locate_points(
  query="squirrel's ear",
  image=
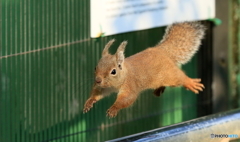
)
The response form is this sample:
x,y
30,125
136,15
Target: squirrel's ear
x,y
120,54
105,50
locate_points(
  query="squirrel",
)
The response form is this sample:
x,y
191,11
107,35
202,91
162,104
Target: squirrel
x,y
154,68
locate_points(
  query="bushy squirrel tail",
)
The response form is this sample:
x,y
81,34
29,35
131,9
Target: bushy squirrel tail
x,y
182,40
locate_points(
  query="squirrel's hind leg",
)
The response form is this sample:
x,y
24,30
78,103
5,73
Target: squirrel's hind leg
x,y
194,85
159,91
176,77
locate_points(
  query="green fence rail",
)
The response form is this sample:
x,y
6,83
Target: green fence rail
x,y
47,63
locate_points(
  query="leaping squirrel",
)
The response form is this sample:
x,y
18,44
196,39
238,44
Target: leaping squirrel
x,y
154,68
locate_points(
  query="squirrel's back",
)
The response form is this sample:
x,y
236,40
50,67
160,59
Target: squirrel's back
x,y
182,40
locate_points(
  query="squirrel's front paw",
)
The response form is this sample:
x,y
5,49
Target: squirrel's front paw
x,y
194,85
112,112
88,105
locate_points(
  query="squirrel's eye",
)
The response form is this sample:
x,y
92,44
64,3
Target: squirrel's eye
x,y
113,72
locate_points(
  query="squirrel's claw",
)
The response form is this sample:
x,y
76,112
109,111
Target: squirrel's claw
x,y
85,110
112,112
88,105
194,85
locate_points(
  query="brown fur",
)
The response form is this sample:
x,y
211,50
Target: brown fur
x,y
153,68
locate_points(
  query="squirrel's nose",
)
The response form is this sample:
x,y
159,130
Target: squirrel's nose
x,y
98,80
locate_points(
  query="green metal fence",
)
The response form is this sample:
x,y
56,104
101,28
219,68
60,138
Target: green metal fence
x,y
47,63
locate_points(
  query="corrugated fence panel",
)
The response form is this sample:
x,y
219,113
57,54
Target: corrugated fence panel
x,y
47,64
